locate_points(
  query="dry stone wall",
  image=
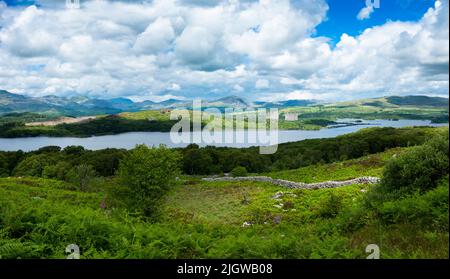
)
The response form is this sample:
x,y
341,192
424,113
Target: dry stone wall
x,y
299,185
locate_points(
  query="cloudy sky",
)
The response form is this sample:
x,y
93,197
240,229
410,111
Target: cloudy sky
x,y
261,50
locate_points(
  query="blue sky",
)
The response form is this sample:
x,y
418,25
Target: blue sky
x,y
261,50
341,15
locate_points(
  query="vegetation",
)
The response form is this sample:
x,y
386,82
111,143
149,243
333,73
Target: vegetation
x,y
52,162
239,172
419,170
147,174
406,214
311,117
212,160
410,107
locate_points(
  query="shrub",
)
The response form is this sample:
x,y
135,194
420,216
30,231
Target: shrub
x,y
429,210
239,172
147,173
81,176
331,206
419,169
58,171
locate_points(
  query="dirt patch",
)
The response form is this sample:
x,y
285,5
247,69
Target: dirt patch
x,y
62,120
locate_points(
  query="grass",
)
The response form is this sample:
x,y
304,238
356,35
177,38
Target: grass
x,y
199,219
371,165
369,111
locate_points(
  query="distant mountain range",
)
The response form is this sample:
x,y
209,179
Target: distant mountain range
x,y
82,106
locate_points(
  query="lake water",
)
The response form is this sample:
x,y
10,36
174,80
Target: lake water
x,y
129,140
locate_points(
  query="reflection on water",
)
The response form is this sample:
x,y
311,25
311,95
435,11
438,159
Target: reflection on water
x,y
129,140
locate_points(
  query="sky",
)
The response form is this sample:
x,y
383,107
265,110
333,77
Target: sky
x,y
266,50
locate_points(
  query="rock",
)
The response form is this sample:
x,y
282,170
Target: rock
x,y
288,205
278,195
246,224
299,185
277,219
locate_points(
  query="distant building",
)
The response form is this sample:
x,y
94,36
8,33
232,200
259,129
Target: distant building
x,y
291,116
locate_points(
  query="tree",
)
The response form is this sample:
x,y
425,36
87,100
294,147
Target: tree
x,y
34,165
58,171
197,161
239,172
74,150
4,170
81,176
148,173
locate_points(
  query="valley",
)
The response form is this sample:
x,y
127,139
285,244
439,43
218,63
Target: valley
x,y
135,117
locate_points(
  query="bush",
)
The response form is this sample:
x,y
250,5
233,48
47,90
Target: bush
x,y
81,176
147,173
331,206
239,172
429,210
419,169
34,165
58,171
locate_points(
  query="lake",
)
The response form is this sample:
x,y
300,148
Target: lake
x,y
129,140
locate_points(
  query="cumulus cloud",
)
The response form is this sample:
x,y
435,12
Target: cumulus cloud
x,y
194,48
262,84
365,12
174,87
157,37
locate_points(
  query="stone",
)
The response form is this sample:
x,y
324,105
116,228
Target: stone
x,y
298,185
278,195
277,219
246,224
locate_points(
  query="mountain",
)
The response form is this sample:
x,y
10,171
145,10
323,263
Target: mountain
x,y
230,101
418,101
399,101
297,103
82,105
285,104
10,102
54,105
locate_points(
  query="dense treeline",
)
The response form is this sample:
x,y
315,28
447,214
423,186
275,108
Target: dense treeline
x,y
54,162
212,160
109,125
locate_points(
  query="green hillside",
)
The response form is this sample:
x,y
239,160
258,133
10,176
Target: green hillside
x,y
201,219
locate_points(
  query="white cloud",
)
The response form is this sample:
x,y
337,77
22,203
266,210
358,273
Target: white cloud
x,y
200,48
365,12
157,37
262,84
174,87
238,88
